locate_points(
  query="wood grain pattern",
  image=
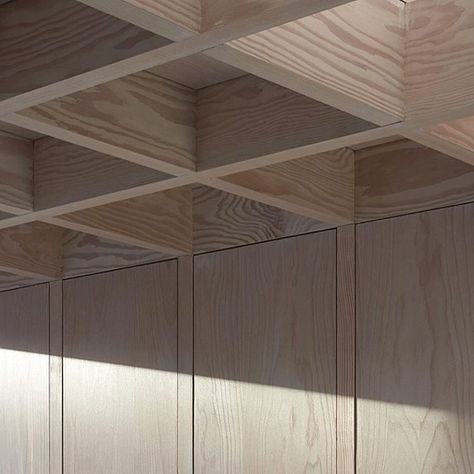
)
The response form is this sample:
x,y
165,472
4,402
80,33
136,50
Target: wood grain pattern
x,y
56,377
415,333
223,220
120,381
86,254
185,365
18,131
24,378
32,251
440,60
351,57
160,222
174,19
346,340
265,357
197,72
16,174
141,118
46,41
66,173
264,119
404,177
9,281
217,14
320,187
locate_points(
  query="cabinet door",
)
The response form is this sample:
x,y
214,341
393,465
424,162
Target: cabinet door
x,y
415,343
120,372
24,381
265,358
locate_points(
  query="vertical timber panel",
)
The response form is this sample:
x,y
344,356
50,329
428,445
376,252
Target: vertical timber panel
x,y
265,358
346,349
120,372
24,381
185,365
56,377
415,339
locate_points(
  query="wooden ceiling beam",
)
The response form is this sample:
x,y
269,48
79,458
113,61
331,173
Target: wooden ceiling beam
x,y
320,187
16,174
350,57
32,251
161,222
142,118
404,177
439,71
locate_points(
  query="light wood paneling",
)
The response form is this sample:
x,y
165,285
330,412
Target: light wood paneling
x,y
24,381
415,333
265,357
16,174
141,118
161,222
350,57
263,119
46,41
66,173
439,69
346,339
320,187
120,380
223,220
403,177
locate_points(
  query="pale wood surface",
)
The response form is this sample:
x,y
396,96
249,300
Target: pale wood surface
x,y
439,67
46,41
415,334
85,254
403,177
350,57
55,377
185,365
223,220
160,222
263,119
32,250
141,118
346,339
120,381
66,173
24,381
197,71
320,187
265,357
16,174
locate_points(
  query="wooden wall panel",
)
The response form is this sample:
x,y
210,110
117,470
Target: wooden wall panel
x,y
415,334
24,381
120,372
265,358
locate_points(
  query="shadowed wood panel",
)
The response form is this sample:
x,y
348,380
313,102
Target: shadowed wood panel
x,y
66,173
8,281
140,118
160,222
403,177
24,381
265,357
250,117
32,250
223,220
439,68
45,41
415,333
120,381
350,57
86,254
320,187
16,174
